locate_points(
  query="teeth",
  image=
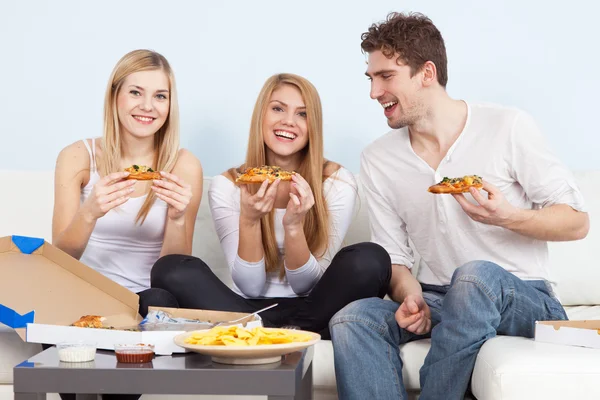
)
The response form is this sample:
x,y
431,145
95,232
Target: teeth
x,y
145,119
391,103
285,134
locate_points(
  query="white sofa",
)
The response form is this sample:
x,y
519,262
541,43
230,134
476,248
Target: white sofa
x,y
506,368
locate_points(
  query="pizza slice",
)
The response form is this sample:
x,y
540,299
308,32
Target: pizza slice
x,y
89,321
266,172
457,185
142,173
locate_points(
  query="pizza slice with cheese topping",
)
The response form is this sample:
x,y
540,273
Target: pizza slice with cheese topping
x,y
266,172
142,173
457,185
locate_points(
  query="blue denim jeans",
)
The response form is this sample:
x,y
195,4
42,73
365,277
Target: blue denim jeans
x,y
483,300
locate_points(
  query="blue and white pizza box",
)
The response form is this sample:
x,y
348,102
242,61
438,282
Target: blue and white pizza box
x,y
43,291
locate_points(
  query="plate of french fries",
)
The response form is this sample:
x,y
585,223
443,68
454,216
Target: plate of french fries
x,y
238,345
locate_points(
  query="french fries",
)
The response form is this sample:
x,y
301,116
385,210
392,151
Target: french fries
x,y
236,336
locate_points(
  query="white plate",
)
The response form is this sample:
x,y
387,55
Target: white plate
x,y
261,354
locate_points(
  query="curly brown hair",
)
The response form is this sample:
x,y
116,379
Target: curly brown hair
x,y
413,37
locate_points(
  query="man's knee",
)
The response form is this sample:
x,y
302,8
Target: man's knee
x,y
374,311
480,270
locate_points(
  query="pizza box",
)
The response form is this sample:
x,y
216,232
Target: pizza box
x,y
43,290
121,333
584,333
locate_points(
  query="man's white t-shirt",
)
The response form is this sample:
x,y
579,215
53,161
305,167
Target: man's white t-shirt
x,y
505,147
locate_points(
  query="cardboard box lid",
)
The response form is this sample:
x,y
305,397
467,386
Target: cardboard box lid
x,y
36,276
582,324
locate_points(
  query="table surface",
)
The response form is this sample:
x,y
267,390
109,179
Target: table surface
x,y
189,373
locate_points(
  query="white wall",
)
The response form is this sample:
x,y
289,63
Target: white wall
x,y
56,56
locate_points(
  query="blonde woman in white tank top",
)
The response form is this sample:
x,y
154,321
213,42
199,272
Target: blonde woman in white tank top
x,y
117,226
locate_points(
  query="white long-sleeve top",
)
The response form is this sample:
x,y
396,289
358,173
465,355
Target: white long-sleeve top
x,y
505,147
250,279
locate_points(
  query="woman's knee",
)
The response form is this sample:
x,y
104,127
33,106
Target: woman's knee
x,y
366,260
156,297
164,265
173,269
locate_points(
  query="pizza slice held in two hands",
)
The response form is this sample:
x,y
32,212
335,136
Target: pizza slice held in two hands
x,y
264,173
457,185
142,173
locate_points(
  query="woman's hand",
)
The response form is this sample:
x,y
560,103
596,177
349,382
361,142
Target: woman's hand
x,y
175,192
110,192
301,200
254,206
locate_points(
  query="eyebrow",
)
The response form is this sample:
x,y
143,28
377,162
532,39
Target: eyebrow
x,y
381,72
282,103
141,88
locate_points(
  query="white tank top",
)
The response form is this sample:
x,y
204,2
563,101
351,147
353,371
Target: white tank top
x,y
120,248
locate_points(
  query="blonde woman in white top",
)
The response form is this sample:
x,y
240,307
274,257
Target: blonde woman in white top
x,y
117,226
282,241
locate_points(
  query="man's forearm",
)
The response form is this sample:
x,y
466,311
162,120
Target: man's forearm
x,y
559,222
403,283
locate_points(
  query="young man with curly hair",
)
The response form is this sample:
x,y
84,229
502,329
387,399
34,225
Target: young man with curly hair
x,y
484,267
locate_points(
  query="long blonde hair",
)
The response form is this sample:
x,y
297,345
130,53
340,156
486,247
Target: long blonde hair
x,y
316,221
166,140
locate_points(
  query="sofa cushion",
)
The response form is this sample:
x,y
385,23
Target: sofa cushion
x,y
513,368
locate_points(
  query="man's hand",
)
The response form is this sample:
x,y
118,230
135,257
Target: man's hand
x,y
495,210
413,315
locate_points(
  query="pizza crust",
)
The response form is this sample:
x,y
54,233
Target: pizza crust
x,y
442,189
144,176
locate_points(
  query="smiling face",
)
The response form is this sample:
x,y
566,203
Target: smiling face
x,y
143,103
399,93
284,124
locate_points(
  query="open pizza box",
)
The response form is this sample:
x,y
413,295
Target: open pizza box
x,y
585,333
43,290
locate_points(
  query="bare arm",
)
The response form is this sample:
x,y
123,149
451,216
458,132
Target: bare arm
x,y
187,181
71,229
558,222
403,284
73,224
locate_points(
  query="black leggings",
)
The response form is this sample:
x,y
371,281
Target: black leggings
x,y
358,271
148,297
